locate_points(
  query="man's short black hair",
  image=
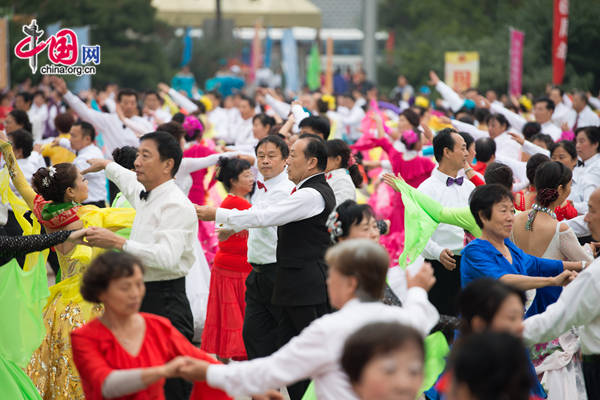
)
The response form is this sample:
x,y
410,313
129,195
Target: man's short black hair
x,y
318,124
315,148
549,103
441,141
484,197
485,149
250,100
27,97
87,129
167,148
22,140
127,92
277,141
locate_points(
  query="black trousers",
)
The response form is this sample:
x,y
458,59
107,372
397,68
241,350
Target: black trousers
x,y
168,299
293,320
261,317
447,285
591,376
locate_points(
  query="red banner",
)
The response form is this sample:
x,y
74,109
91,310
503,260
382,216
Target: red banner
x,y
516,62
559,40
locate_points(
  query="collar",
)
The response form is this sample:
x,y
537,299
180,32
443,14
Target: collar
x,y
164,187
442,177
305,179
592,160
274,181
336,172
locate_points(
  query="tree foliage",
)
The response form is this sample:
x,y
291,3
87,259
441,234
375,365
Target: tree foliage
x,y
426,29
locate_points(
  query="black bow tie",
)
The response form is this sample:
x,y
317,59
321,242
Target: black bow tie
x,y
580,163
144,195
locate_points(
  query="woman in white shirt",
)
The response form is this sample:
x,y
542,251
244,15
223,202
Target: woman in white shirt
x,y
586,175
342,172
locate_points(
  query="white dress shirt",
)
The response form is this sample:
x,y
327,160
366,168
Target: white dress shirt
x,y
165,227
302,204
96,180
351,121
37,117
586,179
584,118
219,120
342,185
517,122
563,113
114,133
262,242
316,352
505,145
576,306
445,236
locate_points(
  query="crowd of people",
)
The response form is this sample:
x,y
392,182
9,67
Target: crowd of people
x,y
334,244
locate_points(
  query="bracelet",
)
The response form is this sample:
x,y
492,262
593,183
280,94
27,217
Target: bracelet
x,y
468,170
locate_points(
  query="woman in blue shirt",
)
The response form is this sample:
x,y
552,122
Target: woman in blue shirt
x,y
495,256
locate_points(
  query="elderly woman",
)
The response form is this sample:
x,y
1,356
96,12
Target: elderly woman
x,y
357,272
126,354
495,256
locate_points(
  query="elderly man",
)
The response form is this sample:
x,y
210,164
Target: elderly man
x,y
577,306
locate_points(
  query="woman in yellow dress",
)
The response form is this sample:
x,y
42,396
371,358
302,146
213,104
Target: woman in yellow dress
x,y
54,200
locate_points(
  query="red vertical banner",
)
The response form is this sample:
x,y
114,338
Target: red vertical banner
x,y
517,39
559,40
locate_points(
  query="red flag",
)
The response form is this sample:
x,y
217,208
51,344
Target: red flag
x,y
516,61
559,40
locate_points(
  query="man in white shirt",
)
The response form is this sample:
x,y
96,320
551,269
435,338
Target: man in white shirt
x,y
153,111
583,115
351,115
241,127
576,307
23,102
302,239
163,233
563,113
446,243
543,108
82,144
114,132
262,316
586,175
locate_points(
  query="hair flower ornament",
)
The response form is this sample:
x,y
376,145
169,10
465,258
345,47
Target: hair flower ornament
x,y
334,226
410,137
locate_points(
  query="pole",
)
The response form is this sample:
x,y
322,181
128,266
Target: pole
x,y
369,45
218,19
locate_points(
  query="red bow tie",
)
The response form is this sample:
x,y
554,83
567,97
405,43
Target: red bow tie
x,y
261,185
293,190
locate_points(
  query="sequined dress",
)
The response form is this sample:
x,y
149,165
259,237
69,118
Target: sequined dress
x,y
51,367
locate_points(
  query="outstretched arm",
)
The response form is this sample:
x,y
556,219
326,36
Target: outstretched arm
x,y
16,175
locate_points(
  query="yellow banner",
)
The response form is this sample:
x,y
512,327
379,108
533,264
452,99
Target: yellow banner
x,y
462,70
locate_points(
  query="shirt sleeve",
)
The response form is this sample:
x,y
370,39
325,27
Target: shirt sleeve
x,y
192,164
304,203
126,181
66,143
570,247
579,226
532,148
183,101
96,118
516,121
576,306
138,126
453,99
470,129
477,263
537,266
280,107
591,181
168,239
595,102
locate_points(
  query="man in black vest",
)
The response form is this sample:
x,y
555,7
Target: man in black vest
x,y
302,239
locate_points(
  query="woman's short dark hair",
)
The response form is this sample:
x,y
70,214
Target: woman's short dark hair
x,y
337,147
168,148
178,117
351,213
265,120
21,118
315,148
567,146
530,129
412,118
375,340
63,122
546,139
497,172
467,138
592,133
533,164
277,141
483,198
22,140
105,268
548,177
53,188
483,298
365,260
441,141
493,366
125,156
485,149
499,118
172,127
230,169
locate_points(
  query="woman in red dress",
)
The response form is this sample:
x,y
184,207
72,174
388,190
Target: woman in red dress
x,y
222,333
125,354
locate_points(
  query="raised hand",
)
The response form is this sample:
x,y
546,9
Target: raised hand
x,y
59,84
433,78
391,179
423,279
516,137
76,237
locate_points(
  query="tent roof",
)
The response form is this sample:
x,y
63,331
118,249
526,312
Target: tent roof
x,y
245,13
